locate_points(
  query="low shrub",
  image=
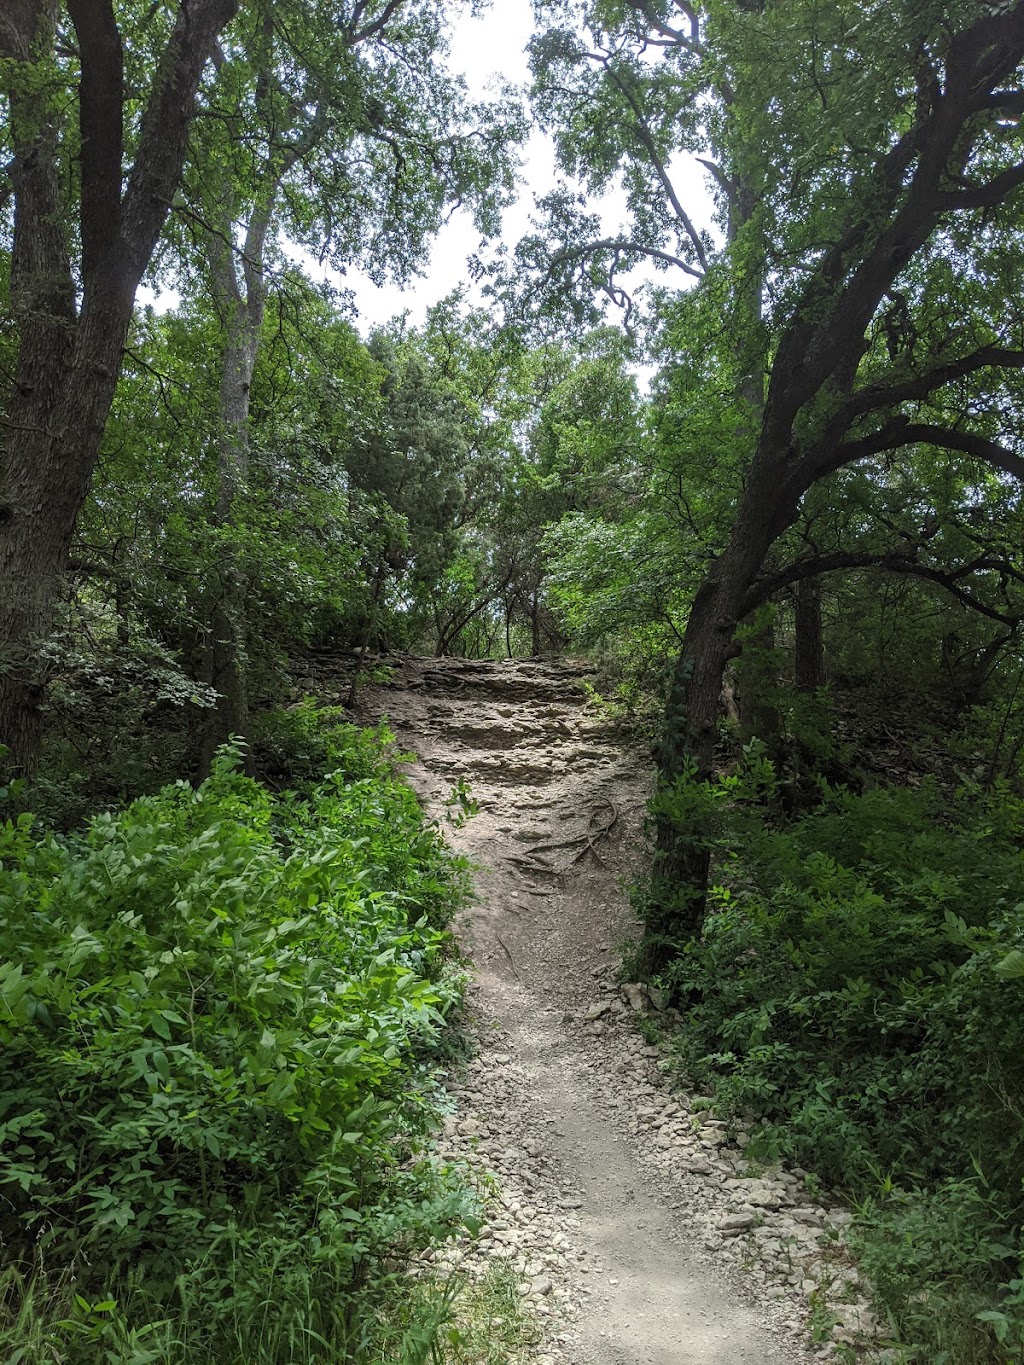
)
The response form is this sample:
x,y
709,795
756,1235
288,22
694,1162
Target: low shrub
x,y
855,989
217,1009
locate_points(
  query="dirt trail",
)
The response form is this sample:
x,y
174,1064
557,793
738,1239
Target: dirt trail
x,y
626,1213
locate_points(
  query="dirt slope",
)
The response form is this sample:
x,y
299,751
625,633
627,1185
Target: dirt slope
x,y
631,1217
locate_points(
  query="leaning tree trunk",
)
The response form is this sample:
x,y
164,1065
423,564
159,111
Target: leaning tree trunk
x,y
812,416
676,906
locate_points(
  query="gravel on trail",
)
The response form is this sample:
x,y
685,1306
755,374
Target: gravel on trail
x,y
639,1231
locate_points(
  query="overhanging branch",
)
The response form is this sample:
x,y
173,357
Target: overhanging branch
x,y
891,562
876,396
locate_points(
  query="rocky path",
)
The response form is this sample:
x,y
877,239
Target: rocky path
x,y
640,1233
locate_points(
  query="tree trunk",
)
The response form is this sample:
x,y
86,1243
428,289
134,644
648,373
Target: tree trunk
x,y
225,661
55,420
808,423
241,306
676,906
675,909
809,648
68,363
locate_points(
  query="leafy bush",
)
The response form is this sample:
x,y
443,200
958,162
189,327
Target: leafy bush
x,y
854,988
216,1010
295,745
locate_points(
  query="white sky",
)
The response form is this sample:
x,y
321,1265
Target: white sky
x,y
492,46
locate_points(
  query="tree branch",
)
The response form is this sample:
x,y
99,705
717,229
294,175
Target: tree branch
x,y
988,195
894,435
965,443
890,561
617,244
162,140
660,169
371,29
675,37
844,292
876,396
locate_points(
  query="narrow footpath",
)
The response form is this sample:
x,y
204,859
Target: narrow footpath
x,y
641,1234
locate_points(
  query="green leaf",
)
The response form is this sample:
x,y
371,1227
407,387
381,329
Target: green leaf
x,y
1011,967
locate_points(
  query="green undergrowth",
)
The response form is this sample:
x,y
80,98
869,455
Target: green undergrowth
x,y
220,1014
858,990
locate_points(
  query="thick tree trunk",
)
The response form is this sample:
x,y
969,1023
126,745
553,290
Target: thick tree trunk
x,y
55,425
68,364
676,906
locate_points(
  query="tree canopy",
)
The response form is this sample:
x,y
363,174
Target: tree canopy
x,y
755,450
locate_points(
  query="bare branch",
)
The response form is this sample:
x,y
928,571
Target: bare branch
x,y
623,244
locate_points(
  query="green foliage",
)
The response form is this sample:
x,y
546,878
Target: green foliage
x,y
296,745
218,1008
856,989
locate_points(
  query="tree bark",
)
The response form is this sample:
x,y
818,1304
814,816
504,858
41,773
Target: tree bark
x,y
676,907
808,645
241,307
69,359
226,651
